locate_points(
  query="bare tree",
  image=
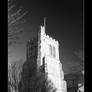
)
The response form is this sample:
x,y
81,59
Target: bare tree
x,y
14,76
43,84
15,17
35,81
80,56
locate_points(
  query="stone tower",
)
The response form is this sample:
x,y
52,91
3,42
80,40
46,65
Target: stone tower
x,y
47,48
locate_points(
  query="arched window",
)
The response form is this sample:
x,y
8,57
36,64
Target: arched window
x,y
50,50
54,54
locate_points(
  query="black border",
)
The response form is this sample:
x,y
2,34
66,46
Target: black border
x,y
3,46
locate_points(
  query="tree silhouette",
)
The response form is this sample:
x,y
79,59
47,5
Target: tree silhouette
x,y
14,76
15,17
80,55
33,80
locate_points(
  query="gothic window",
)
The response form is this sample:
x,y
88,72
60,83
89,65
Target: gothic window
x,y
54,52
50,50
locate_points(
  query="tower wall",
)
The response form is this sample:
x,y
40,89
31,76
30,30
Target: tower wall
x,y
49,48
46,47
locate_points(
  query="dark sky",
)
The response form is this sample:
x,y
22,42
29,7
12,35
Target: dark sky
x,y
64,22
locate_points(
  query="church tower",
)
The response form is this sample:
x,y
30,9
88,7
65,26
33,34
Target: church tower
x,y
45,48
48,49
